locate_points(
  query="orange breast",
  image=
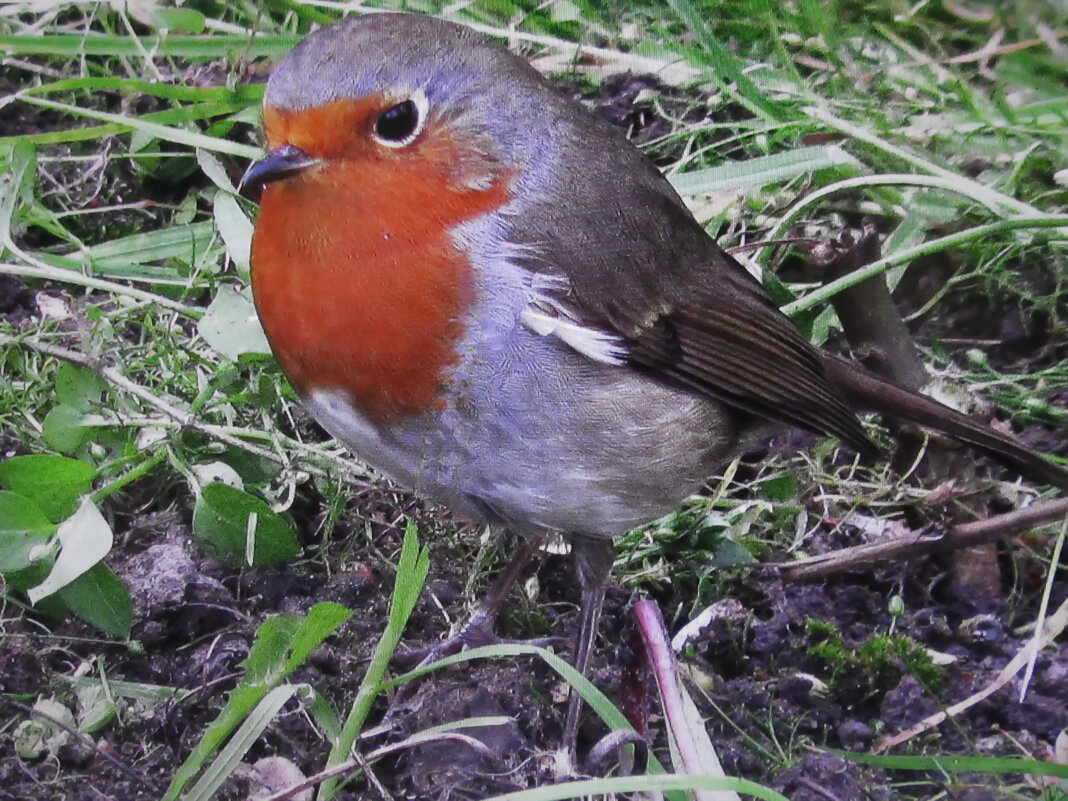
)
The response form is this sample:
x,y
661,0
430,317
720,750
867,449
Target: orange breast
x,y
357,282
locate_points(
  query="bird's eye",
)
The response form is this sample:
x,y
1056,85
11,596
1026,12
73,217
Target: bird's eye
x,y
399,125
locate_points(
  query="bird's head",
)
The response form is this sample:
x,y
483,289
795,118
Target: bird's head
x,y
396,96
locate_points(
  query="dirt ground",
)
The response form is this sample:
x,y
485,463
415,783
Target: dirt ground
x,y
770,698
780,671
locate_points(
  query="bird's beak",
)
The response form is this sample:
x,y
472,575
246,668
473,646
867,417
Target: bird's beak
x,y
282,162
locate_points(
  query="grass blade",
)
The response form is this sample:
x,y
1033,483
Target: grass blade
x,y
411,573
223,765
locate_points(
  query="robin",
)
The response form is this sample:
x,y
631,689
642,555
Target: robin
x,y
495,300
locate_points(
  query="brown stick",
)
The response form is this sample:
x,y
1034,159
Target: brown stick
x,y
869,318
923,543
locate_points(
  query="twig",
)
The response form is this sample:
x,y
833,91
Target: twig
x,y
869,318
116,378
804,781
671,71
29,66
337,770
372,777
857,132
992,48
748,247
909,254
359,762
46,272
882,341
1055,624
923,543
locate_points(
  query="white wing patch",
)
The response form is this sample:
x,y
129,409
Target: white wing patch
x,y
546,316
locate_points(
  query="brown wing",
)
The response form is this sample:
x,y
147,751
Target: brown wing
x,y
735,345
637,263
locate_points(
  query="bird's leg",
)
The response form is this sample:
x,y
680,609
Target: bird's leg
x,y
477,626
593,564
483,617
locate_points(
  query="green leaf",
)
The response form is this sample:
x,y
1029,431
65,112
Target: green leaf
x,y
33,575
565,11
24,533
598,701
282,643
238,529
55,483
324,716
147,128
725,69
231,326
95,707
183,242
99,597
208,48
780,488
619,785
215,171
266,661
957,764
146,256
256,722
78,387
39,735
235,229
322,620
183,20
66,428
244,93
752,174
729,553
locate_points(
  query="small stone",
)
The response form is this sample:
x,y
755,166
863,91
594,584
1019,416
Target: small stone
x,y
855,735
274,774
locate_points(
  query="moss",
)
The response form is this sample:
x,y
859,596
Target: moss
x,y
877,663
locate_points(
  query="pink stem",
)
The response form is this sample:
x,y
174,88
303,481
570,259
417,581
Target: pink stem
x,y
662,658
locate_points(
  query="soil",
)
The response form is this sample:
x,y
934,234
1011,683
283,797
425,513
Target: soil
x,y
780,674
766,686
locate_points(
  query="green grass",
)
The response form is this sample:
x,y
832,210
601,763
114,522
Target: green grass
x,y
123,137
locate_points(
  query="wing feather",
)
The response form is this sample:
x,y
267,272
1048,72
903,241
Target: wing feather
x,y
631,261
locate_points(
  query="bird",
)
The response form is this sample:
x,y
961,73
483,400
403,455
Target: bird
x,y
497,301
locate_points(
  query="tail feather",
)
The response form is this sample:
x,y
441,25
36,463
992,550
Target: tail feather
x,y
865,391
